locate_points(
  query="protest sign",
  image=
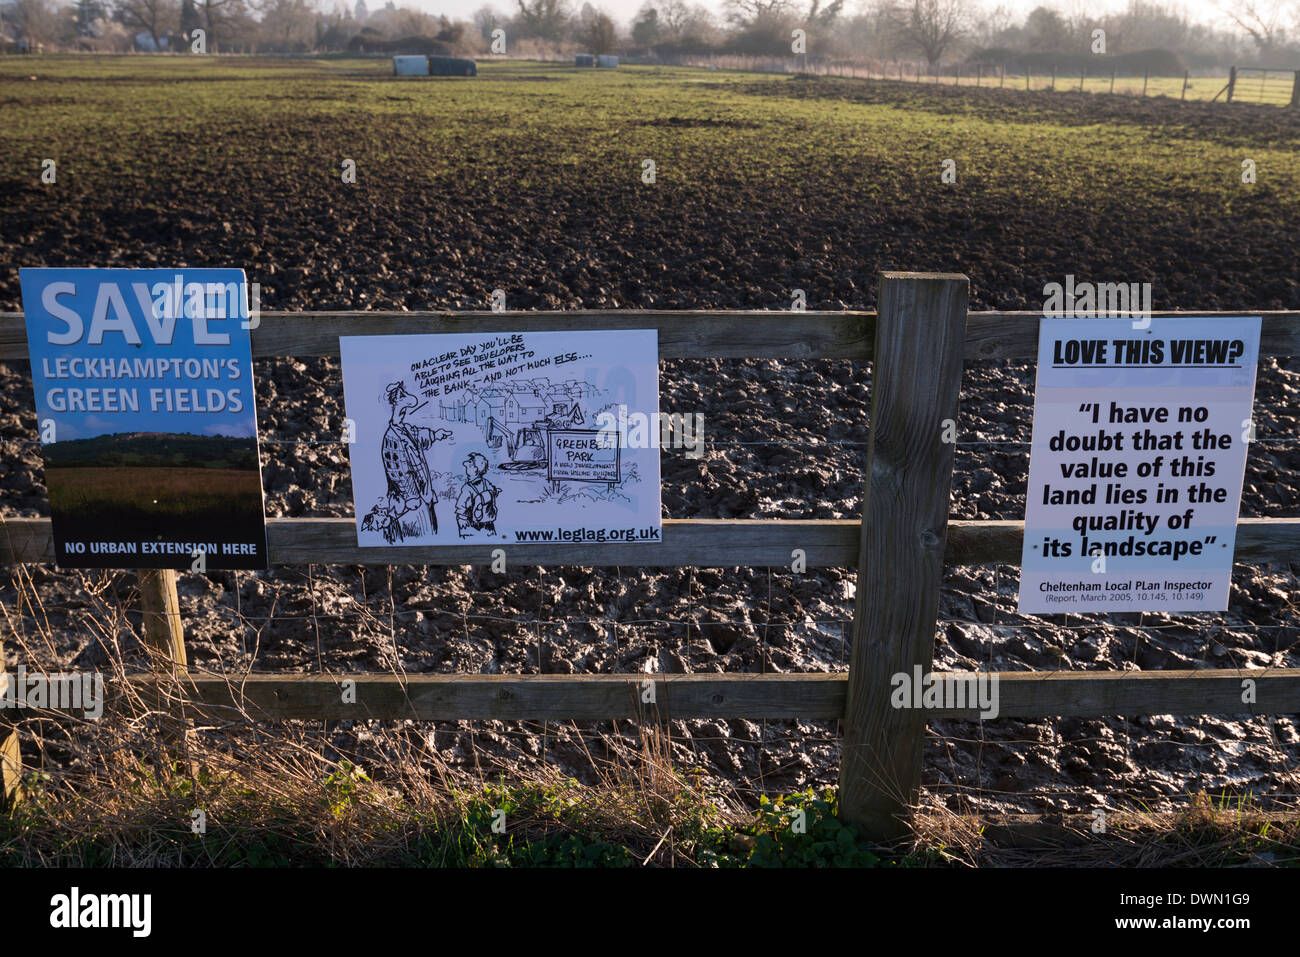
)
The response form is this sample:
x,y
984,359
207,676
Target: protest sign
x,y
1136,466
145,408
503,437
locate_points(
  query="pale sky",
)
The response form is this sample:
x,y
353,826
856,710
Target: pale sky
x,y
1202,11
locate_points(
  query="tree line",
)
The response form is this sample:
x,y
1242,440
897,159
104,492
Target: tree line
x,y
929,31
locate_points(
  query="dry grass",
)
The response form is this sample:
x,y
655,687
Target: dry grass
x,y
122,791
1206,832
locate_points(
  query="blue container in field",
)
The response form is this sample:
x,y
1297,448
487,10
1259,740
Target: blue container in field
x,y
410,66
607,62
452,66
584,59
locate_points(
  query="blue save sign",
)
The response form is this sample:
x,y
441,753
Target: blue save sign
x,y
145,406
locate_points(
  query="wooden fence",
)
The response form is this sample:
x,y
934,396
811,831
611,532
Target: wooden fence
x,y
918,341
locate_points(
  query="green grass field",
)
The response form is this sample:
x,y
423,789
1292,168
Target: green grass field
x,y
168,493
530,175
158,503
147,120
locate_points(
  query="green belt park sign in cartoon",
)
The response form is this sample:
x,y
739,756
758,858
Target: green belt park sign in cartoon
x,y
145,408
538,437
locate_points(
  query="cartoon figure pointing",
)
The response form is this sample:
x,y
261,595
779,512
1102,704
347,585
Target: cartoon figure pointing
x,y
409,509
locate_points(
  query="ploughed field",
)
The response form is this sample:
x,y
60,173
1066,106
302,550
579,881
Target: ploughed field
x,y
529,179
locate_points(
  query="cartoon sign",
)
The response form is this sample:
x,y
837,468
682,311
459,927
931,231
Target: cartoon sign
x,y
582,455
502,437
144,402
1137,461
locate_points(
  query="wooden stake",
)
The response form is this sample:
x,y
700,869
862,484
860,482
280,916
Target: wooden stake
x,y
915,385
164,639
11,759
164,635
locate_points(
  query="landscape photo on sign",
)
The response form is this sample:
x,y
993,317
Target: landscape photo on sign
x,y
146,417
1136,463
506,437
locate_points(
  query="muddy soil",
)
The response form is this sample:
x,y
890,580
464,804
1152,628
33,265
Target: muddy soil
x,y
786,440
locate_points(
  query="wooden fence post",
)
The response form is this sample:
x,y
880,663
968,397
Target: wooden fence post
x,y
915,386
1187,75
11,761
1295,89
164,640
164,635
1232,81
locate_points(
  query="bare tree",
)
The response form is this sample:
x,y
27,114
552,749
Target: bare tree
x,y
288,25
751,11
993,23
646,28
158,18
219,17
673,15
1048,31
37,21
823,17
596,30
699,27
1261,20
545,19
932,26
486,19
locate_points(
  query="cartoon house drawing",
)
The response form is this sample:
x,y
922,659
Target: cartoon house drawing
x,y
525,407
492,402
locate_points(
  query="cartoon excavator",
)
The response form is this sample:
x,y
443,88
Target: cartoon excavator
x,y
532,436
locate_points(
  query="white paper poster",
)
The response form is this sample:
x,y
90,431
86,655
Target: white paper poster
x,y
504,438
1137,461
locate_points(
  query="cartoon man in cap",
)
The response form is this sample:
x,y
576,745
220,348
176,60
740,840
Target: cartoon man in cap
x,y
410,480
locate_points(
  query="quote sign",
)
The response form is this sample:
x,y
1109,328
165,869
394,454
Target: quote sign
x,y
503,438
146,416
1136,464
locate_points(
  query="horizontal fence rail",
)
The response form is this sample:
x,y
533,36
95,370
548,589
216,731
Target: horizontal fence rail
x,y
808,697
687,543
918,342
689,334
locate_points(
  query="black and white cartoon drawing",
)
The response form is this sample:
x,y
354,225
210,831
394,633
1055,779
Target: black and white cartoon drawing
x,y
531,436
476,506
504,427
408,508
